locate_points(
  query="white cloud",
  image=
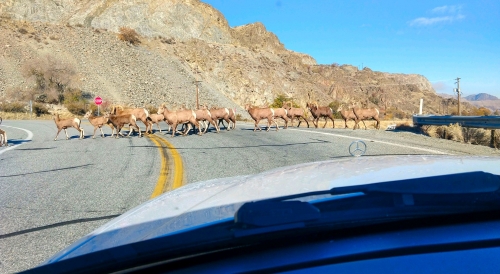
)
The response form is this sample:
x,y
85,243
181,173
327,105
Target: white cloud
x,y
450,14
447,9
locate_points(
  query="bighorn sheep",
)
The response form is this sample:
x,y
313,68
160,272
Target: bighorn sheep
x,y
173,118
258,114
295,113
119,121
98,122
231,117
139,113
365,114
66,123
281,113
318,112
204,115
156,119
348,115
220,114
3,136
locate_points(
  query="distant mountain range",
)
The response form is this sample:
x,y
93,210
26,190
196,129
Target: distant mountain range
x,y
478,100
480,97
484,100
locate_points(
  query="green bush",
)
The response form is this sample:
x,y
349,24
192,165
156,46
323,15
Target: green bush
x,y
334,105
278,101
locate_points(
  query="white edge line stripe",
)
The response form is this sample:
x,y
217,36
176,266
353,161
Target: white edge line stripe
x,y
30,137
371,140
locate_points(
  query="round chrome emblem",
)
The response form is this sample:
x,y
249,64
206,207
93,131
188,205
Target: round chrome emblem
x,y
357,148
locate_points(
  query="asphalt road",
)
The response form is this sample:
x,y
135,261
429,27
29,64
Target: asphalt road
x,y
54,192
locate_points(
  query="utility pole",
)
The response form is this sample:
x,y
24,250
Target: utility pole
x,y
197,83
458,92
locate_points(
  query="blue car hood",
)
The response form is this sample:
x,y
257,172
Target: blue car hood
x,y
201,203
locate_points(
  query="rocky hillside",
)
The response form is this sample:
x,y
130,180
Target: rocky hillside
x,y
182,41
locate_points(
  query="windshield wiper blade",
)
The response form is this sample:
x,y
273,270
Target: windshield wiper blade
x,y
460,183
282,214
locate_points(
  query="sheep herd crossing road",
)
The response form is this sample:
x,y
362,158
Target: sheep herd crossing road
x,y
54,192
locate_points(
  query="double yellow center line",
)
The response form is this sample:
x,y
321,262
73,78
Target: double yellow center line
x,y
171,172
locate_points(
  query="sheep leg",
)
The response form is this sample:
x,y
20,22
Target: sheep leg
x,y
228,123
93,136
257,125
355,124
217,128
58,130
277,127
138,130
174,129
67,137
102,133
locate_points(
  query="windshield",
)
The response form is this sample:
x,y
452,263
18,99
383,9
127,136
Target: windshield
x,y
126,122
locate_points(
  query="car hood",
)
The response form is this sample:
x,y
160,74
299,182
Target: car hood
x,y
198,204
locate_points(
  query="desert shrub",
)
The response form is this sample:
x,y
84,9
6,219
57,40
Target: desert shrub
x,y
394,113
129,35
280,99
334,105
73,96
77,108
476,136
40,109
22,30
239,117
496,139
51,78
14,107
451,132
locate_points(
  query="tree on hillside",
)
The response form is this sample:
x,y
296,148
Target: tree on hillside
x,y
51,78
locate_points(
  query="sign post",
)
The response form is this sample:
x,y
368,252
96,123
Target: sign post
x,y
98,102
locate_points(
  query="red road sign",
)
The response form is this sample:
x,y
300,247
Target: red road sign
x,y
98,100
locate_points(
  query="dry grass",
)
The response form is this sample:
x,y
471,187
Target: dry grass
x,y
475,136
23,116
129,35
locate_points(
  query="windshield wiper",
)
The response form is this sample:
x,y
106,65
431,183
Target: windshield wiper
x,y
387,201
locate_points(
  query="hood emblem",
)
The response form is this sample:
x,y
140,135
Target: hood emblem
x,y
357,148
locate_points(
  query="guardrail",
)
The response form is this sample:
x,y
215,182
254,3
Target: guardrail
x,y
489,122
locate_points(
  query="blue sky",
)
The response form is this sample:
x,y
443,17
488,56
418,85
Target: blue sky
x,y
441,40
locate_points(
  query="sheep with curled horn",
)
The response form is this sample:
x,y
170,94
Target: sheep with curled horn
x,y
318,112
295,113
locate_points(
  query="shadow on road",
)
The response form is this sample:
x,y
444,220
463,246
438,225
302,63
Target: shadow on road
x,y
44,171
